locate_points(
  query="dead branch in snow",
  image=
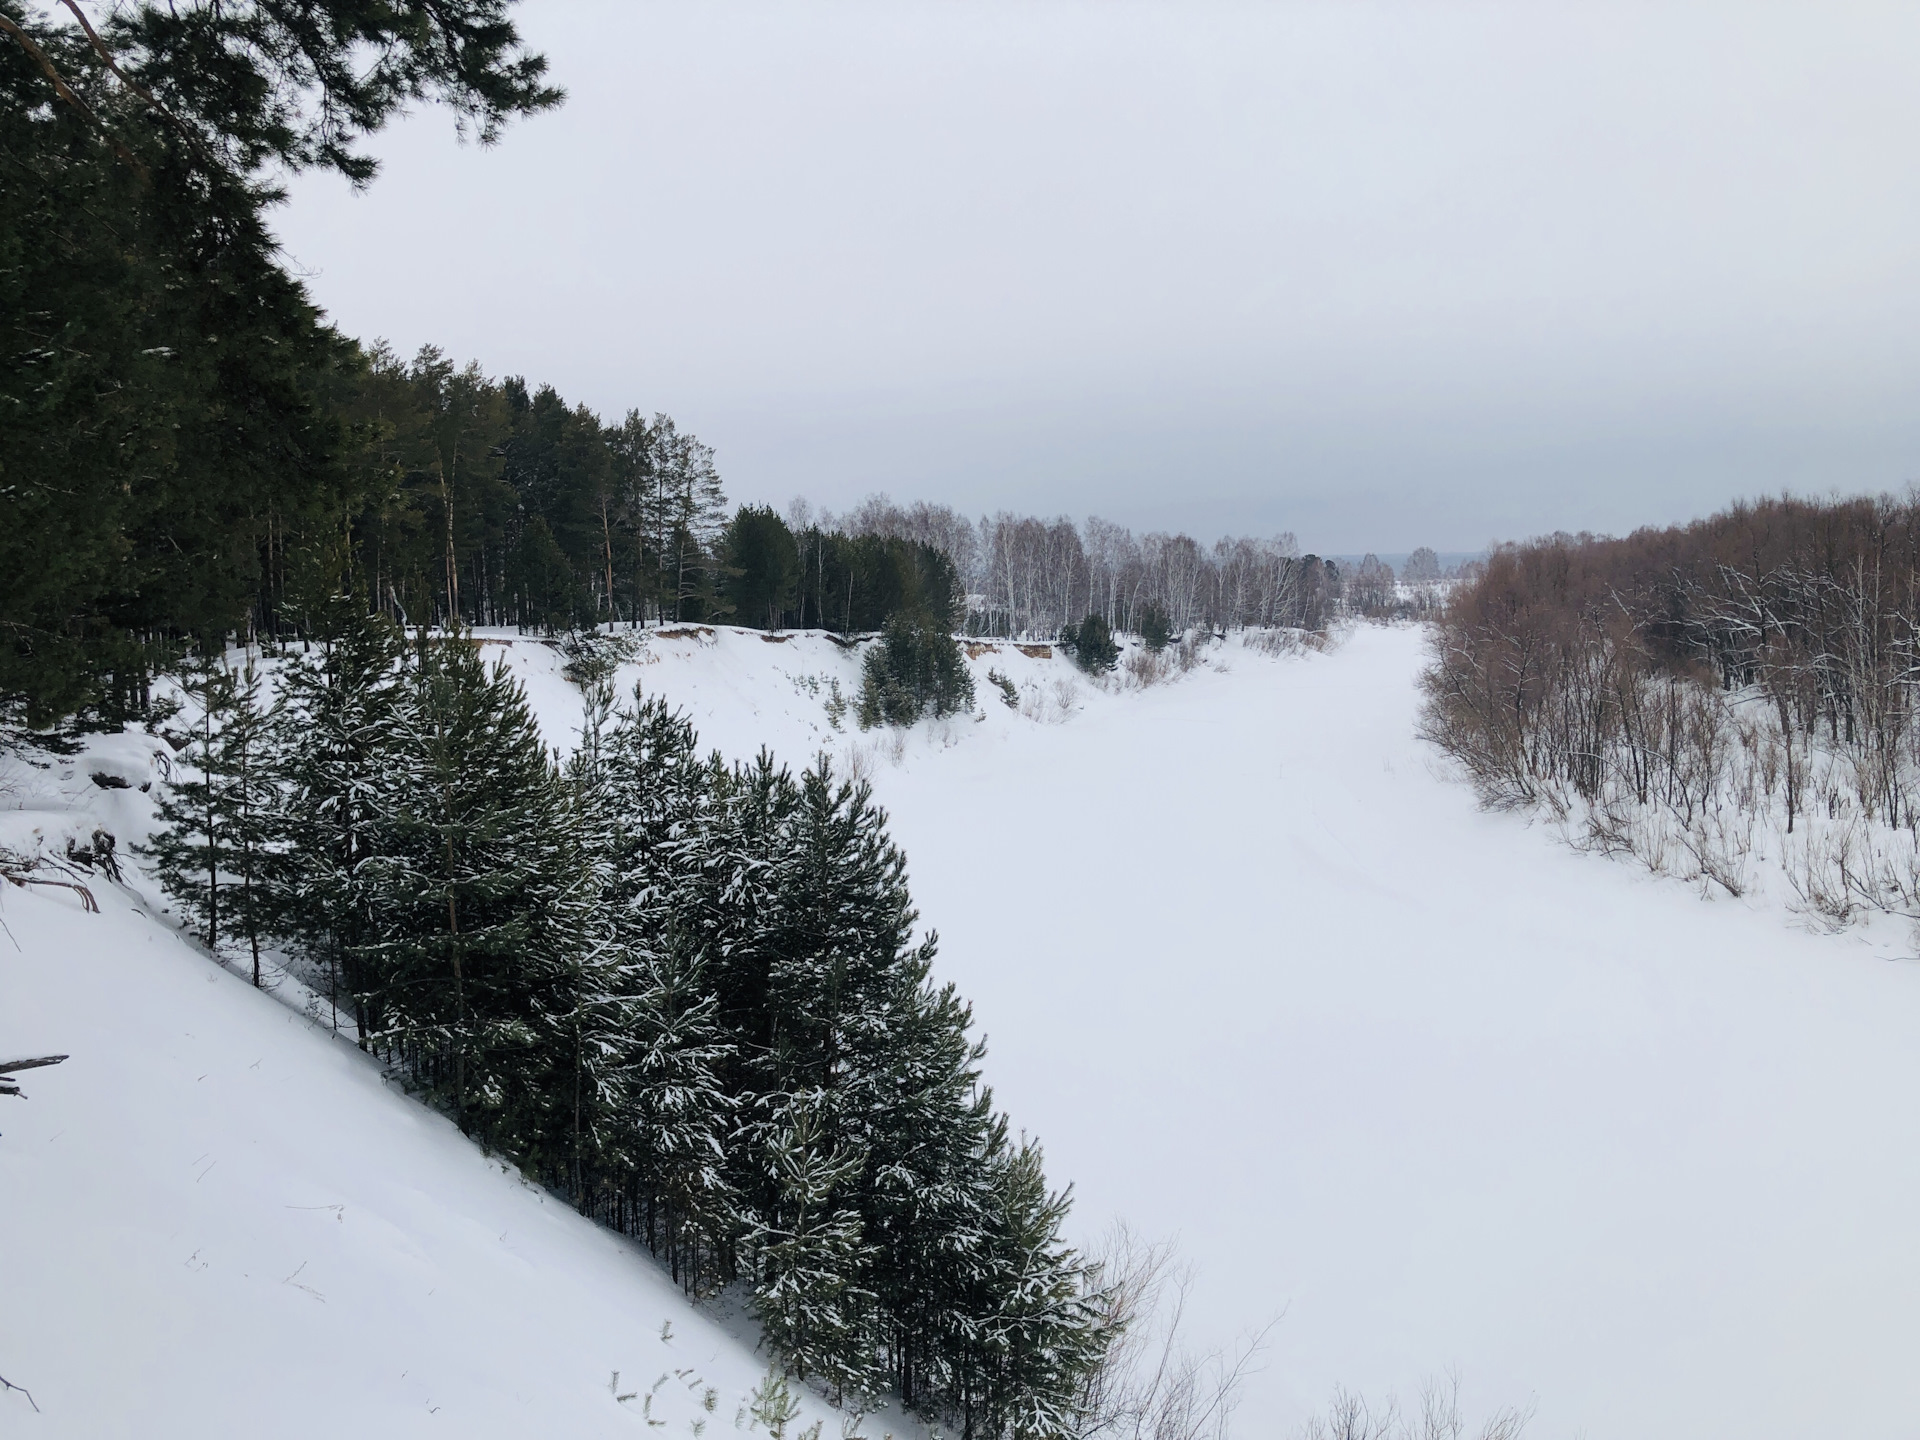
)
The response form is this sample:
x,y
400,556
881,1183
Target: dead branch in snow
x,y
24,870
6,1384
13,1067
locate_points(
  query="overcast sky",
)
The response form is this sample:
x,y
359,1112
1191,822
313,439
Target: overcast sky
x,y
1381,274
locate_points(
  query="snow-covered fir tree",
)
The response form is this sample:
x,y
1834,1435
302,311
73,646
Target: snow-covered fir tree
x,y
479,893
810,1258
215,843
335,721
688,995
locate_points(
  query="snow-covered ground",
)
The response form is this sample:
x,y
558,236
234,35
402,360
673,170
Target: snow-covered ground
x,y
1445,1093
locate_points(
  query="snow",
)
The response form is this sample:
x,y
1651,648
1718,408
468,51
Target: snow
x,y
1439,1090
1417,1078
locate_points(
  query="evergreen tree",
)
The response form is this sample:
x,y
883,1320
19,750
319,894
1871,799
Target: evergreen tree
x,y
762,566
691,512
1040,1328
916,669
339,705
214,852
657,1052
1092,644
927,1201
1154,629
162,375
478,895
250,756
682,1114
197,808
810,1258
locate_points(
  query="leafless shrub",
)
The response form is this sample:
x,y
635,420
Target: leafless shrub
x,y
856,763
1286,641
1736,704
1436,1417
1150,1385
1144,667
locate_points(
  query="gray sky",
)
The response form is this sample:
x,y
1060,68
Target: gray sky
x,y
1383,274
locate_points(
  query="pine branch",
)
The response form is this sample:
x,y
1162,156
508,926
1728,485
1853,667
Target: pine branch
x,y
66,92
10,1067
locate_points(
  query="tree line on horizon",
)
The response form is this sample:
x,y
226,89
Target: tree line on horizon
x,y
192,452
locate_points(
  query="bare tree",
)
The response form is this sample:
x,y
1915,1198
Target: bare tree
x,y
1437,1417
1151,1386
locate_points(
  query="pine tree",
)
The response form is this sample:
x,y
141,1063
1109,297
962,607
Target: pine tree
x,y
809,1258
662,1115
916,669
682,1113
1092,644
251,758
1154,629
478,896
1040,1330
927,1202
335,727
689,509
216,845
881,1064
197,808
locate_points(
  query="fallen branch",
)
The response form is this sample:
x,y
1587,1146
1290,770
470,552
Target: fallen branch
x,y
6,1384
13,1067
19,869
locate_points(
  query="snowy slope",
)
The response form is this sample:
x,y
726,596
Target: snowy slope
x,y
217,1220
744,689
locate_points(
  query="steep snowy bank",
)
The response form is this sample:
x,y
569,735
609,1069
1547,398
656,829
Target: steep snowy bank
x,y
217,1220
1442,1091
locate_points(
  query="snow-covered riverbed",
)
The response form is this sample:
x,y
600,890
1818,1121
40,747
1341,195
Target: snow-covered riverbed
x,y
1445,1092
